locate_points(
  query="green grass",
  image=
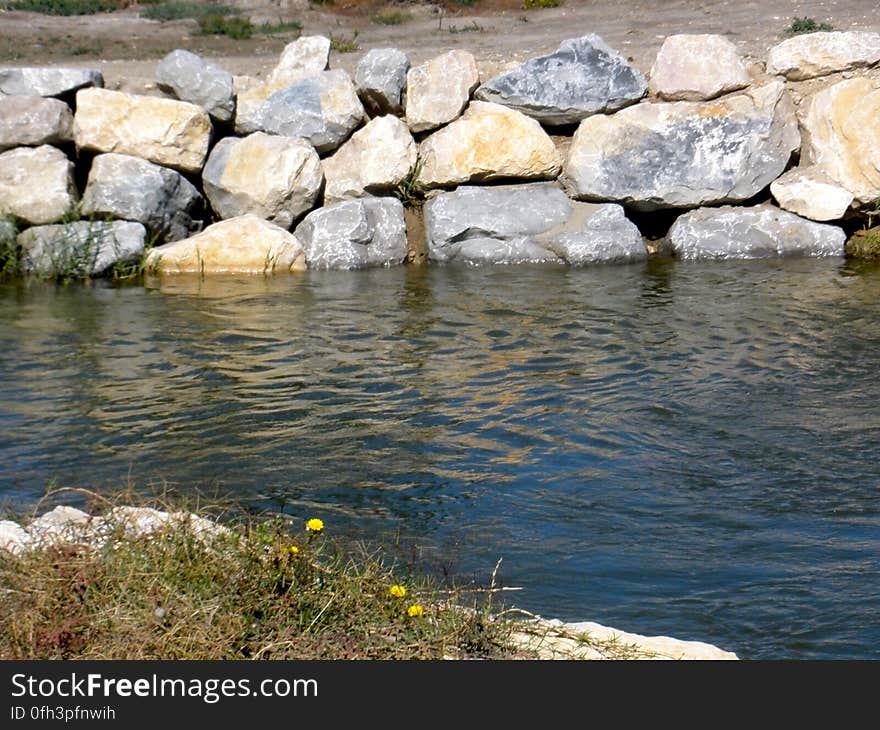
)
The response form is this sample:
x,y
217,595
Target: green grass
x,y
539,4
410,191
181,10
278,28
864,244
66,7
800,26
389,18
10,252
229,25
341,44
472,28
262,589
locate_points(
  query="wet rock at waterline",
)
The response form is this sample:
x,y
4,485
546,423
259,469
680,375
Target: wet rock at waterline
x,y
246,244
489,142
584,76
165,131
36,184
842,136
82,248
354,234
750,233
378,157
33,121
697,68
819,54
810,193
273,177
322,108
534,223
380,77
302,57
199,82
30,81
135,189
684,154
438,90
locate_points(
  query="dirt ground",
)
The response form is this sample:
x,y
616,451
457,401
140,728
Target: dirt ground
x,y
126,47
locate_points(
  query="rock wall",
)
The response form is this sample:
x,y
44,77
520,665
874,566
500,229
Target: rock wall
x,y
544,162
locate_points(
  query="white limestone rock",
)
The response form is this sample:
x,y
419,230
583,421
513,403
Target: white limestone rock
x,y
810,55
438,90
36,184
34,120
697,67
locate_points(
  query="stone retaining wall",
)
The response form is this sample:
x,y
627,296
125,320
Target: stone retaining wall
x,y
546,162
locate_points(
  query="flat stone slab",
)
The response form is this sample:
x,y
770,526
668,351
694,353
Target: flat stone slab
x,y
39,81
532,223
763,231
584,76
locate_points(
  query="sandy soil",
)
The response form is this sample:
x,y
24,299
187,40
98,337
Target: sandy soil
x,y
126,47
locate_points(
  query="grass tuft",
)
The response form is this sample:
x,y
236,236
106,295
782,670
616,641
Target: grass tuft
x,y
540,4
261,589
341,44
180,10
800,26
231,26
389,18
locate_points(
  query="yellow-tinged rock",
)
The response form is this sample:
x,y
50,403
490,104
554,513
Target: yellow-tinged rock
x,y
489,142
842,136
438,90
246,244
165,131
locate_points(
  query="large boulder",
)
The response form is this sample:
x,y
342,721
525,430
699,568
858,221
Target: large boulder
x,y
380,77
533,223
29,81
762,231
135,189
354,234
273,177
190,78
81,248
376,159
819,54
247,244
696,68
584,76
684,154
33,121
810,193
165,131
323,108
304,56
36,184
489,142
438,90
842,136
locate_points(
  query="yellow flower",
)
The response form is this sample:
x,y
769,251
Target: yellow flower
x,y
314,525
397,591
292,549
415,611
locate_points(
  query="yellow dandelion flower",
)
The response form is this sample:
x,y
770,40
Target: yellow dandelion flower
x,y
397,591
415,611
292,549
315,525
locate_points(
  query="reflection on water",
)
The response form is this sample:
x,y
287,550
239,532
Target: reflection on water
x,y
688,449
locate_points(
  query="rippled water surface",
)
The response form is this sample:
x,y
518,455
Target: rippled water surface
x,y
668,448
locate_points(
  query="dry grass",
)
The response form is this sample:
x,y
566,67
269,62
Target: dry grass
x,y
258,590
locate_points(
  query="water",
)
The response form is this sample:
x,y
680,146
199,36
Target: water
x,y
667,448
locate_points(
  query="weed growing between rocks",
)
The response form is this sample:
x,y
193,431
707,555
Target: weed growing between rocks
x,y
800,26
258,589
10,251
341,44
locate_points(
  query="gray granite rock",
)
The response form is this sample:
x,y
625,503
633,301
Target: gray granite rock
x,y
380,78
533,223
584,76
322,108
354,234
761,231
34,81
684,154
135,189
197,81
34,120
82,248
